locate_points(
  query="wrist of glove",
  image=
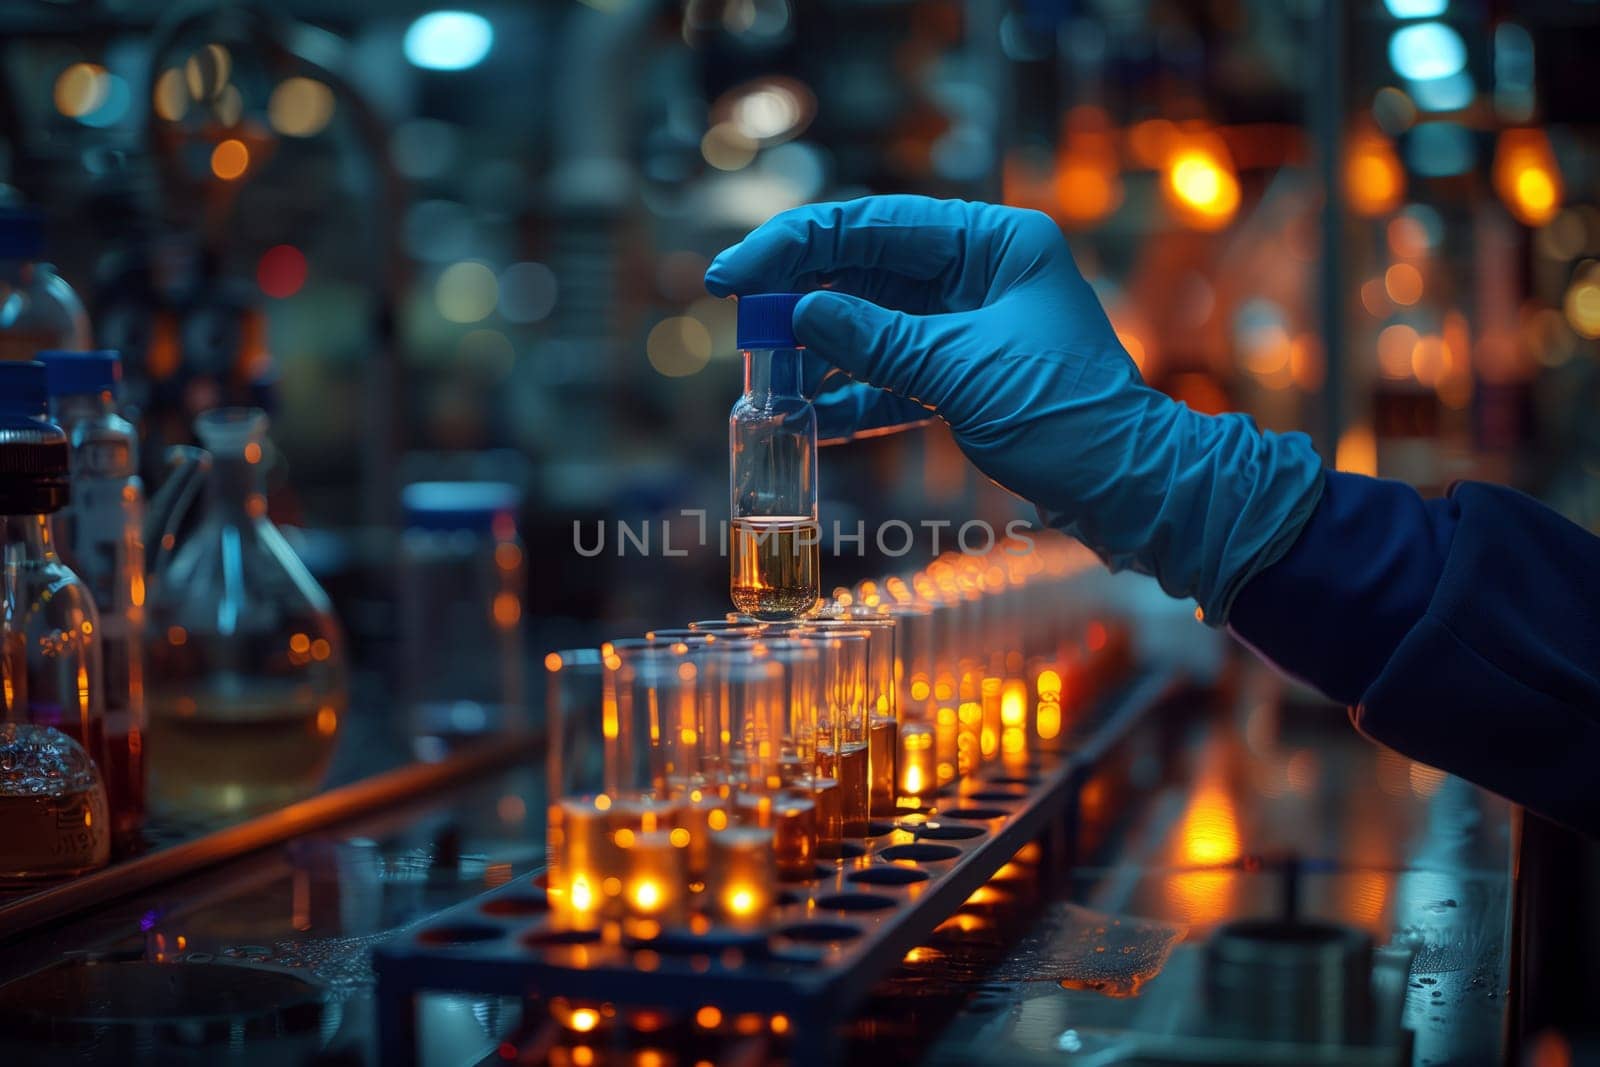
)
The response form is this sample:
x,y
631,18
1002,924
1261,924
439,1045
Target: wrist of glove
x,y
1204,504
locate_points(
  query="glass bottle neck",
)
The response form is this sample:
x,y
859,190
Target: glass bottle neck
x,y
238,483
71,410
27,537
772,372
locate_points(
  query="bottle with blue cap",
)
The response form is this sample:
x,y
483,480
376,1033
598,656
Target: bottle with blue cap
x,y
462,582
40,310
774,537
101,539
52,800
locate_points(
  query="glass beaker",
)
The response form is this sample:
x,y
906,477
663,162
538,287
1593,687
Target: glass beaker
x,y
246,660
774,537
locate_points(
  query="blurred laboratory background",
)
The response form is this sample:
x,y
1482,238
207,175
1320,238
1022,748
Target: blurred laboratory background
x,y
447,244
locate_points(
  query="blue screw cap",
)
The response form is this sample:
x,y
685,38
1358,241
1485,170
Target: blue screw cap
x,y
766,320
24,389
473,506
81,373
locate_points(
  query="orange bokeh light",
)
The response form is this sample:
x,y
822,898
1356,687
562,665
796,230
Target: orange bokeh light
x,y
1526,176
230,159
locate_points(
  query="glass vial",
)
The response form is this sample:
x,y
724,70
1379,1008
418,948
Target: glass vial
x,y
774,537
102,540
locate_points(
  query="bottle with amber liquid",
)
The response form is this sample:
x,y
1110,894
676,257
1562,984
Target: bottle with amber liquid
x,y
774,536
52,798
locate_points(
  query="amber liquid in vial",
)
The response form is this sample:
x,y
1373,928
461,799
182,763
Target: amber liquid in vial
x,y
849,767
582,858
773,566
883,742
829,810
791,815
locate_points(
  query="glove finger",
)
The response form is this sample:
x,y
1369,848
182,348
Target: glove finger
x,y
862,410
930,241
899,292
889,349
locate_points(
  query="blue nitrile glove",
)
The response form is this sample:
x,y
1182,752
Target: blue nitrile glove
x,y
978,314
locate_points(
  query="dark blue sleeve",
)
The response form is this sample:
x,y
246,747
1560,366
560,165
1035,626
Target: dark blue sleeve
x,y
1496,675
1333,610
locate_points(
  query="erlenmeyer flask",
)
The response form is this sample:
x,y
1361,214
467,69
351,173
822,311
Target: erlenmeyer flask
x,y
246,660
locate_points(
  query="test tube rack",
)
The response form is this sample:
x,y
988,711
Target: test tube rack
x,y
830,940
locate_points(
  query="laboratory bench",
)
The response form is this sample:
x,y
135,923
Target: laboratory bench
x,y
1237,802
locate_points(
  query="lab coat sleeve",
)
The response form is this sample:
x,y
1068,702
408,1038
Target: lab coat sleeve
x,y
1464,632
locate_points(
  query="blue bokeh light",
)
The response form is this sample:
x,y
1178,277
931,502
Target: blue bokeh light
x,y
1426,51
448,40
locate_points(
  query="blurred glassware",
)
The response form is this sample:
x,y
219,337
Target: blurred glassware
x,y
246,660
578,829
462,573
101,535
38,309
49,628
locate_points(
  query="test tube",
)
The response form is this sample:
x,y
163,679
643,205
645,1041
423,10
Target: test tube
x,y
915,767
883,725
841,729
687,754
578,830
945,690
743,865
793,813
743,887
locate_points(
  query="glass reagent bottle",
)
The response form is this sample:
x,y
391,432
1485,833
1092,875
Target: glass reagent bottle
x,y
774,536
101,539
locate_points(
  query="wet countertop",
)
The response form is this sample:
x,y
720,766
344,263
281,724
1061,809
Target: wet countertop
x,y
266,959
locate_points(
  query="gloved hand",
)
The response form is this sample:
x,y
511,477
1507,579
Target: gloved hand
x,y
977,313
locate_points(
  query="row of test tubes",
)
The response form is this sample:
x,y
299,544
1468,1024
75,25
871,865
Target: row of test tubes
x,y
696,768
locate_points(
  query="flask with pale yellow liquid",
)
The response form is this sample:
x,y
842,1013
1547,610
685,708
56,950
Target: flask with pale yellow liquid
x,y
246,660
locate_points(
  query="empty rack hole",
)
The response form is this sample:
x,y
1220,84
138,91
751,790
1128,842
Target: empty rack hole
x,y
516,904
816,932
980,814
544,938
856,902
842,850
934,831
709,943
920,853
1016,780
1004,795
879,827
888,876
460,934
